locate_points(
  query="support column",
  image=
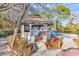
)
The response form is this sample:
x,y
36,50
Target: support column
x,y
30,30
46,32
45,37
22,31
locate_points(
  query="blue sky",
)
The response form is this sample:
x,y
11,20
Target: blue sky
x,y
73,7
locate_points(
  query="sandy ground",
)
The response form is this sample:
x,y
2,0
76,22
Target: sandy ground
x,y
3,48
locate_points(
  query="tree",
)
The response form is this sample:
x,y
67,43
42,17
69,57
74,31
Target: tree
x,y
71,28
23,14
60,12
4,7
5,23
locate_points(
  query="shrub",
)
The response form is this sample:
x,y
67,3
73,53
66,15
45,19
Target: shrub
x,y
5,33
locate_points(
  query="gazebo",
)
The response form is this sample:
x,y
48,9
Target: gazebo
x,y
29,23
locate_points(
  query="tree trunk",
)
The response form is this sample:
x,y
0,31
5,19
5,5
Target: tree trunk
x,y
18,23
15,33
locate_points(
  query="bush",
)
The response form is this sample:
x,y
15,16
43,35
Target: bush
x,y
21,46
5,33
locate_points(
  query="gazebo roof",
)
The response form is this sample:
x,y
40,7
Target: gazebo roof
x,y
37,20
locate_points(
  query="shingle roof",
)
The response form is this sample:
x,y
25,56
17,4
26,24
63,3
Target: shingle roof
x,y
35,20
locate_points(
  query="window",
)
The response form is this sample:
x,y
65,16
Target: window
x,y
26,28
